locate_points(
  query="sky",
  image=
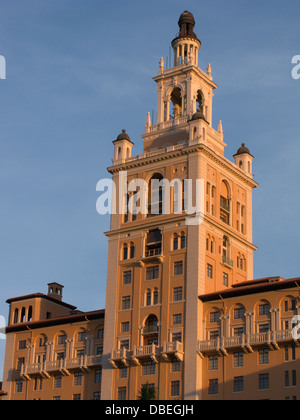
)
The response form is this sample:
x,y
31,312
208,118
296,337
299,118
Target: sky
x,y
78,72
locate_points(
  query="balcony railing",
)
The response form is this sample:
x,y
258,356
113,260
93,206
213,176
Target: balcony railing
x,y
174,349
151,352
227,261
272,339
153,252
63,366
151,329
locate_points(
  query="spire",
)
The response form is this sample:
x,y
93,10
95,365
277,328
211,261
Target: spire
x,y
220,128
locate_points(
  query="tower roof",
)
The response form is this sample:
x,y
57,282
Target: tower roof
x,y
243,150
123,136
186,25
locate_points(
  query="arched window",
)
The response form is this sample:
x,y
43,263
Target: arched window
x,y
149,298
16,316
125,252
155,198
175,242
225,203
176,100
183,240
29,318
155,297
200,101
23,315
132,250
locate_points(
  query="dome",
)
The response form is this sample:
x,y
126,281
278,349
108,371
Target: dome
x,y
123,136
186,17
243,150
198,116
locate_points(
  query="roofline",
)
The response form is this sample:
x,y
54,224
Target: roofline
x,y
42,296
253,287
83,316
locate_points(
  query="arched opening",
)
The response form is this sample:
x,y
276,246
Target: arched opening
x,y
30,311
200,101
176,100
154,243
155,197
225,203
150,331
16,316
23,315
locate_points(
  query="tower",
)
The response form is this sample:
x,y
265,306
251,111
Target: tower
x,y
160,262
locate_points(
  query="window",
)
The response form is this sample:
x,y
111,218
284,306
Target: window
x,y
125,252
22,345
21,361
124,344
81,336
125,327
238,332
238,384
177,319
149,368
176,366
213,388
225,279
100,334
132,251
214,335
152,273
77,378
238,360
287,378
213,363
149,298
125,302
183,241
177,337
239,313
19,386
177,294
61,339
99,351
127,277
209,271
214,317
294,378
122,391
178,268
123,372
175,389
77,397
98,376
97,396
264,328
175,243
57,381
264,381
80,353
155,297
264,357
264,309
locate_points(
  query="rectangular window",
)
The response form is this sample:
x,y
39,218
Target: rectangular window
x,y
123,373
149,368
122,393
294,378
57,381
127,277
100,334
22,345
125,327
178,268
214,334
21,361
98,376
264,328
238,384
152,273
176,366
77,397
209,271
264,381
264,309
214,317
239,313
175,389
287,378
125,302
177,294
264,357
97,396
238,332
213,388
177,337
177,319
77,378
62,340
81,336
225,279
238,360
124,344
213,363
19,386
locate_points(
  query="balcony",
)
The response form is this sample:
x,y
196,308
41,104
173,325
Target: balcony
x,y
44,369
120,357
246,343
173,350
227,261
150,329
145,353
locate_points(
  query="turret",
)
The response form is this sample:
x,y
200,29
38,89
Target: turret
x,y
243,159
123,148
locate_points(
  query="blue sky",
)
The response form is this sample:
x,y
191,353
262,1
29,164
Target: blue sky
x,y
78,72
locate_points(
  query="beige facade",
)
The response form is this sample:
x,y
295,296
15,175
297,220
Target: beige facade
x,y
53,351
158,264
